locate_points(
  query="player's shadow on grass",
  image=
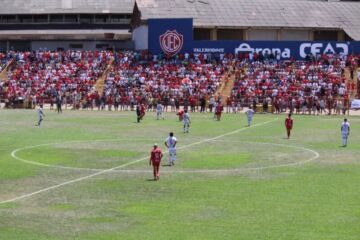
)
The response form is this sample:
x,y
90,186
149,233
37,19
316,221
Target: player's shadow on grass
x,y
150,180
166,165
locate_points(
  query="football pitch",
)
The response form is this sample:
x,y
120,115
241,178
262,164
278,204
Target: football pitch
x,y
86,175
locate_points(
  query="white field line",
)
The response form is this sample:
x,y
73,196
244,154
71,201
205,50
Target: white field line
x,y
124,165
316,155
13,153
237,170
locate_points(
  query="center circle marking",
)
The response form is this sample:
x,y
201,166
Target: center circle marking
x,y
315,155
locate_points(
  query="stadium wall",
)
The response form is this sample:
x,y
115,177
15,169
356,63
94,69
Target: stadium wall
x,y
279,34
140,37
262,35
65,45
295,35
172,36
82,45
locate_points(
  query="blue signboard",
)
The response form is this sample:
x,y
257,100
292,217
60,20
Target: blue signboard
x,y
283,49
170,36
173,36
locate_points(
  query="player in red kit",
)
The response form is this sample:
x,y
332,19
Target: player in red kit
x,y
155,159
218,110
142,111
180,113
289,125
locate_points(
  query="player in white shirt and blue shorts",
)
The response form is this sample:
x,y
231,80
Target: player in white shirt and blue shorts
x,y
159,111
40,116
250,113
170,143
186,121
345,132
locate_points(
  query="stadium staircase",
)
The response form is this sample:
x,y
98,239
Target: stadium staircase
x,y
100,82
358,79
227,84
4,72
355,79
350,80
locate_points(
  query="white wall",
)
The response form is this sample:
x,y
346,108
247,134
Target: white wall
x,y
140,37
54,45
87,45
262,34
295,35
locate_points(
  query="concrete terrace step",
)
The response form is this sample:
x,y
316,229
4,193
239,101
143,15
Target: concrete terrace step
x,y
100,82
4,72
227,85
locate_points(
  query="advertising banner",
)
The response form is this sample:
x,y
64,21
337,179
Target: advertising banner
x,y
355,104
173,36
283,49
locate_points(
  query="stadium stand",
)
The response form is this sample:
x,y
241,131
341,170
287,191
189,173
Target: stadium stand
x,y
145,78
65,24
259,19
138,77
68,47
304,86
40,76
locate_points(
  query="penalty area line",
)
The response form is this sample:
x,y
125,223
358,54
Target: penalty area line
x,y
127,164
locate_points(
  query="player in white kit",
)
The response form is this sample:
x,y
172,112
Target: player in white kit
x,y
186,121
159,112
170,143
345,132
40,115
250,113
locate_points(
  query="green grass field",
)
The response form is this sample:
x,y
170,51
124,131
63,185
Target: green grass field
x,y
229,182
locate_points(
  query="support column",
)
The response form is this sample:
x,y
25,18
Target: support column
x,y
311,35
246,34
340,36
279,34
213,34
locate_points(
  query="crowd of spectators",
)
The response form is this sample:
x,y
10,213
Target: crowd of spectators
x,y
313,85
149,79
41,76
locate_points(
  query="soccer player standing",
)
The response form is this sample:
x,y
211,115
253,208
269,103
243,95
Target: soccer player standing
x,y
142,111
138,113
170,143
40,115
155,159
58,103
218,110
186,120
159,111
250,113
289,125
345,132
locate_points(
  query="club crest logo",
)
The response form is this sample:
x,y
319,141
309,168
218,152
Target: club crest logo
x,y
171,42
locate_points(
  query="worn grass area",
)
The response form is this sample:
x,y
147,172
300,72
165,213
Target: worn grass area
x,y
317,200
